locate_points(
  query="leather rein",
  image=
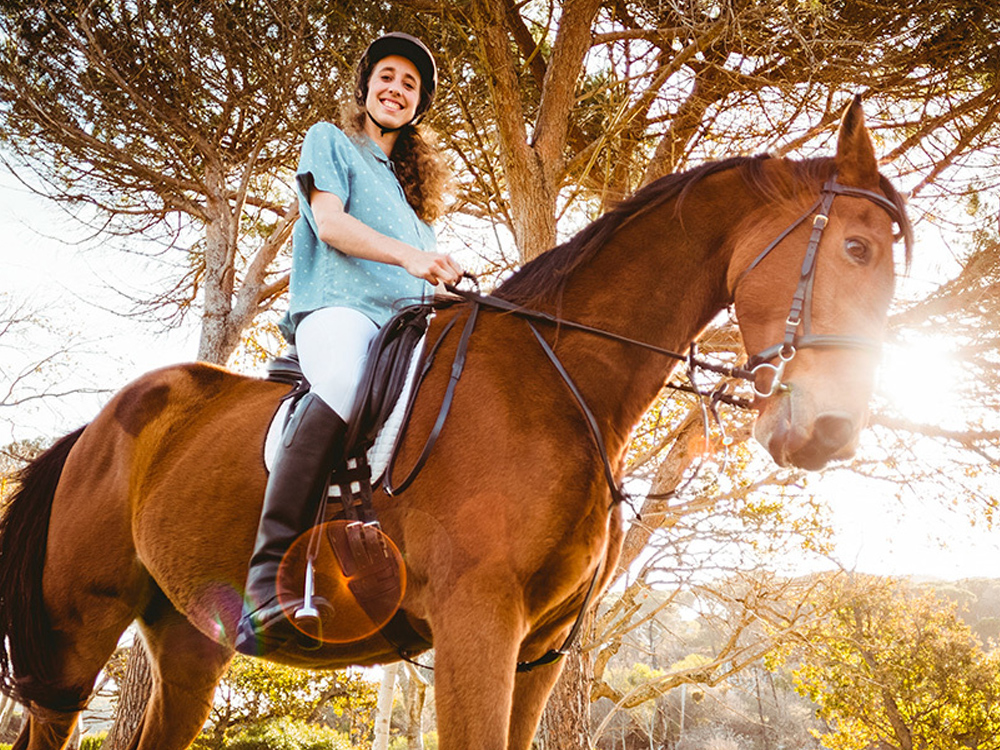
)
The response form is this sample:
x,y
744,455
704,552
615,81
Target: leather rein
x,y
799,317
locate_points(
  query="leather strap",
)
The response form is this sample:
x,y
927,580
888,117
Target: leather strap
x,y
588,415
458,365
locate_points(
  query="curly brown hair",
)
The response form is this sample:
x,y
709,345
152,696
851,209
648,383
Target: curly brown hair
x,y
420,166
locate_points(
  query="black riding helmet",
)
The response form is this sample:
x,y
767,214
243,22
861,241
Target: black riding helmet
x,y
404,45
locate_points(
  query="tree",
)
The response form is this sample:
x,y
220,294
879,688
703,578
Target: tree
x,y
12,458
383,716
254,692
416,696
37,356
178,122
134,691
899,669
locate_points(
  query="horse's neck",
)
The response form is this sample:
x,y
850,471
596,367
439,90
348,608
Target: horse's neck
x,y
659,280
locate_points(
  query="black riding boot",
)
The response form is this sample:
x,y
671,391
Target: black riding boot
x,y
309,446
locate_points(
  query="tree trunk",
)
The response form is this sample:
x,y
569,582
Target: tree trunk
x,y
6,712
533,167
132,698
383,716
565,723
217,335
416,696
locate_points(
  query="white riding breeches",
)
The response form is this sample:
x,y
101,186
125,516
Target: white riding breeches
x,y
332,344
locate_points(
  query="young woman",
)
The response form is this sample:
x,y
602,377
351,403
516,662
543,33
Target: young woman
x,y
362,244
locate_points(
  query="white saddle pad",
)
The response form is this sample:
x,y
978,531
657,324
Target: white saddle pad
x,y
385,443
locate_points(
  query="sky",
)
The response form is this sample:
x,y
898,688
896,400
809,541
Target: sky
x,y
70,285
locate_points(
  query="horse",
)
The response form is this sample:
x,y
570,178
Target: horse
x,y
149,512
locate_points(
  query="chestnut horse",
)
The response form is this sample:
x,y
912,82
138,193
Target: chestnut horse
x,y
149,512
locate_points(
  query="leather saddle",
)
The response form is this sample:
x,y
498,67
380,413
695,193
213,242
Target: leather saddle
x,y
382,380
366,590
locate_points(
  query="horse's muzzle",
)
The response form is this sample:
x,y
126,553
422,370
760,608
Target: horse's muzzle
x,y
794,437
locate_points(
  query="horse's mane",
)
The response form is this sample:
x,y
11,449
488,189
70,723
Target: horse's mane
x,y
545,276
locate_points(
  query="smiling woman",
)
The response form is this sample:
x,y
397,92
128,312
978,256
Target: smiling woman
x,y
362,246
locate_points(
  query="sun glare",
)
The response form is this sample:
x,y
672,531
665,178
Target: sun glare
x,y
920,379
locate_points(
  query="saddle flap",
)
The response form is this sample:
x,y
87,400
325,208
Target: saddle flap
x,y
358,580
385,373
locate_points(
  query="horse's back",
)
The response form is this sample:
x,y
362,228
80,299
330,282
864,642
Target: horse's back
x,y
166,485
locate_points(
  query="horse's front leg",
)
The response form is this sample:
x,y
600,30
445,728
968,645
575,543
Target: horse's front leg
x,y
531,693
478,628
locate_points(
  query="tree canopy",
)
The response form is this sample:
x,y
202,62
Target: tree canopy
x,y
897,668
177,121
186,117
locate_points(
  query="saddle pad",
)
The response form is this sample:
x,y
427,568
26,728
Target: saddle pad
x,y
381,450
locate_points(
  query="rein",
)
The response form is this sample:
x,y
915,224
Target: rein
x,y
691,358
799,316
479,301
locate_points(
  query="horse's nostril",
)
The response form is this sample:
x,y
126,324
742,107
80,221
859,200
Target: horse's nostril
x,y
834,431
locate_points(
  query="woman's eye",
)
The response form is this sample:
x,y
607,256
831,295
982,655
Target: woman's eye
x,y
858,250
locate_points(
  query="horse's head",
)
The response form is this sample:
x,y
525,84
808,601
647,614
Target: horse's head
x,y
812,276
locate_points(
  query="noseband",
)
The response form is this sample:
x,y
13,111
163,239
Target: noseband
x,y
799,317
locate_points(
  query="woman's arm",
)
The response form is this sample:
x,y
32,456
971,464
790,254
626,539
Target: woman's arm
x,y
339,229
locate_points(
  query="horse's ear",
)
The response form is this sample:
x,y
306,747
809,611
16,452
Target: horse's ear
x,y
856,163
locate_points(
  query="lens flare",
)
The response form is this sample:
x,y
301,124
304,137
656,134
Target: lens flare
x,y
358,581
920,379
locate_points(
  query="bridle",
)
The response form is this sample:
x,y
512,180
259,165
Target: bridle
x,y
798,324
799,317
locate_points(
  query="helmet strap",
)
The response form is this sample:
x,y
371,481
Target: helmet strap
x,y
384,129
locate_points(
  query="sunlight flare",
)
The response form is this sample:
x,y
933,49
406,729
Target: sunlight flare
x,y
920,378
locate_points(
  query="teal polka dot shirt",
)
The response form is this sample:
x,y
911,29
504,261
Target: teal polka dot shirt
x,y
361,175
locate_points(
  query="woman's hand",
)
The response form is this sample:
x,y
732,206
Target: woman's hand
x,y
434,268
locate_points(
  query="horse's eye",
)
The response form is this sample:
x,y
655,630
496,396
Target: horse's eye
x,y
858,249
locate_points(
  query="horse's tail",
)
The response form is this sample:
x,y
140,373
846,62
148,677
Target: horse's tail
x,y
26,668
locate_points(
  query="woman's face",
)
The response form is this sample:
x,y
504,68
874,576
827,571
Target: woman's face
x,y
393,91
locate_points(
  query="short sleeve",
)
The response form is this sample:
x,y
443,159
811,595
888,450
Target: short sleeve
x,y
326,164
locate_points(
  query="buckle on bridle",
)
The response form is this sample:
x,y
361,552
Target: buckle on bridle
x,y
785,355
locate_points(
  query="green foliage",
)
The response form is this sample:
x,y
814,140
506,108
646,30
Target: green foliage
x,y
897,669
400,743
254,693
289,734
93,741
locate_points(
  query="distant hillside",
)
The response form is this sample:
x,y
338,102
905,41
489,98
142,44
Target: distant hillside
x,y
978,601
